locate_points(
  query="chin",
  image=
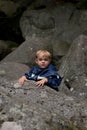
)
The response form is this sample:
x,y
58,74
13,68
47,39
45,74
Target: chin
x,y
42,67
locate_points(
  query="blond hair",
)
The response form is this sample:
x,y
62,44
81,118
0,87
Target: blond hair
x,y
44,53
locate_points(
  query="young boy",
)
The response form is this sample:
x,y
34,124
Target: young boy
x,y
44,73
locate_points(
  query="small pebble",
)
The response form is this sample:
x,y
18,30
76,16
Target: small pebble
x,y
71,89
17,85
10,126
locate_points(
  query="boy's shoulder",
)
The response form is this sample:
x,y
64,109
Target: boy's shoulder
x,y
35,67
51,66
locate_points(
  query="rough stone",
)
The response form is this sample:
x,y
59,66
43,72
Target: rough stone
x,y
10,126
74,68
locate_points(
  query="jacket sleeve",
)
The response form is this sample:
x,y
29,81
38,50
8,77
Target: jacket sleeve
x,y
54,82
30,75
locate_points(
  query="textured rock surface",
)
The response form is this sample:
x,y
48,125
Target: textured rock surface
x,y
40,108
62,21
25,53
10,126
74,67
12,70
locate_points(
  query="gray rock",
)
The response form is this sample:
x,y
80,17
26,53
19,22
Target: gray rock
x,y
74,67
62,22
25,53
6,47
10,126
12,70
40,107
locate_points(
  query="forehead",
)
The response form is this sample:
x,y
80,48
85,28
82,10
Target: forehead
x,y
43,55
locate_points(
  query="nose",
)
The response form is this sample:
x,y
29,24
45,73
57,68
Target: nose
x,y
43,60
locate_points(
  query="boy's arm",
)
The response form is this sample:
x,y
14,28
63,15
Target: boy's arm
x,y
30,75
54,81
26,76
22,80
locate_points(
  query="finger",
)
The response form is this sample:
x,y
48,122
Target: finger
x,y
39,84
20,82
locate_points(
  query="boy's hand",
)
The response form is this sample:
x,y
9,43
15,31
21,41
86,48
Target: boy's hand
x,y
21,80
41,82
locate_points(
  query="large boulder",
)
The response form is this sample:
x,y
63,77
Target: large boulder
x,y
74,68
10,7
40,108
12,70
6,47
10,126
63,22
25,53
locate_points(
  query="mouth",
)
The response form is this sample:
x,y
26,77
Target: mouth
x,y
43,65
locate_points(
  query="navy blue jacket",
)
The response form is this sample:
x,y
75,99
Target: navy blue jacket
x,y
37,73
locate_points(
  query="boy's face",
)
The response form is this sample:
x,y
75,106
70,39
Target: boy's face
x,y
42,61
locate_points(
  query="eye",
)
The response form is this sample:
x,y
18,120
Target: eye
x,y
43,59
40,59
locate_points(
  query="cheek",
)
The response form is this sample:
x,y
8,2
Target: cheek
x,y
47,63
37,61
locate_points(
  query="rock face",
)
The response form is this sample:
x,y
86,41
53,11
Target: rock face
x,y
4,50
62,21
25,53
12,70
74,66
41,108
29,107
10,126
6,47
55,25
